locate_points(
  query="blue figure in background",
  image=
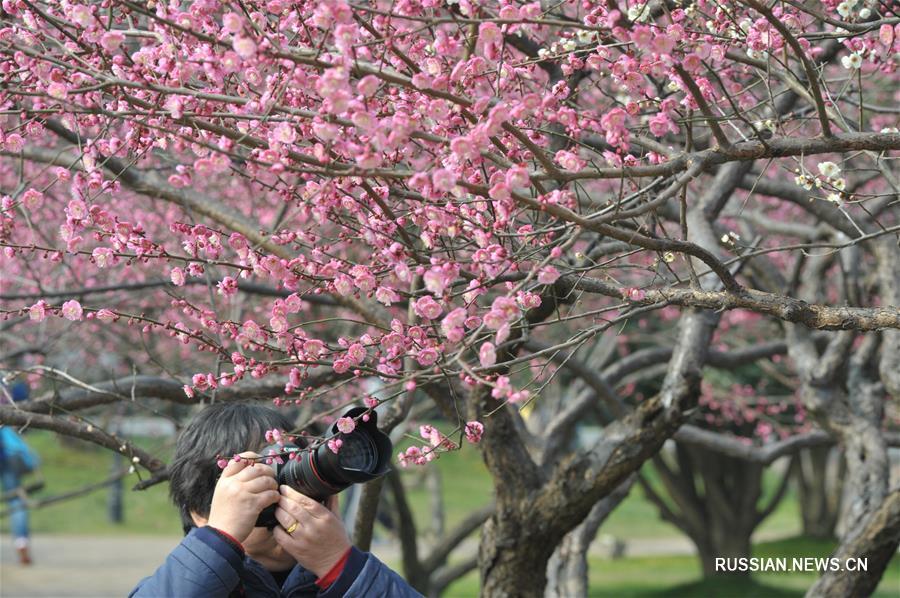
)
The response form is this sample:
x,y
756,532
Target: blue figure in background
x,y
16,460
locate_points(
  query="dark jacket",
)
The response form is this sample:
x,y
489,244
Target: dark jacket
x,y
206,564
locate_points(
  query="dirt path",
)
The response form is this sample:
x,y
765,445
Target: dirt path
x,y
109,566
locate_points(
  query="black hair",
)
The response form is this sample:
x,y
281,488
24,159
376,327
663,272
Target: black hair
x,y
221,429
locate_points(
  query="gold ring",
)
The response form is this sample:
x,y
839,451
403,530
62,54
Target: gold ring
x,y
291,529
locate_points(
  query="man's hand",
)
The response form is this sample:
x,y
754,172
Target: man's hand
x,y
243,491
319,540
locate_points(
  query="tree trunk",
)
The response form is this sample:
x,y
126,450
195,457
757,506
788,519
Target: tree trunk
x,y
714,501
513,556
876,541
730,547
567,571
731,489
819,478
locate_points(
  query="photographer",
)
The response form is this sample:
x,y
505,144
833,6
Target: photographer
x,y
223,554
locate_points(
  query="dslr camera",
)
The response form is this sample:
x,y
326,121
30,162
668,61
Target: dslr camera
x,y
319,472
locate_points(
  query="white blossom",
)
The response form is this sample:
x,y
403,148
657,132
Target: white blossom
x,y
852,61
585,36
638,13
804,181
829,169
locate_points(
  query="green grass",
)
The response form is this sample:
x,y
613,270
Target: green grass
x,y
465,482
72,464
680,576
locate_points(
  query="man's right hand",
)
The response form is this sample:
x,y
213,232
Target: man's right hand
x,y
242,492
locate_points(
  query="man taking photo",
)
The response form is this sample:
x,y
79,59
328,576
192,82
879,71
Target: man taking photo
x,y
223,554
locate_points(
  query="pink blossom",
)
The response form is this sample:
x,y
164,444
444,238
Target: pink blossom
x,y
457,317
334,445
528,300
314,347
105,315
474,430
340,365
244,47
489,33
886,35
32,199
284,133
38,311
462,147
177,276
520,396
111,40
386,295
343,285
232,22
279,323
14,142
71,310
102,256
228,286
356,353
495,318
437,279
57,90
569,160
613,123
692,63
426,307
443,179
499,191
414,455
517,177
345,425
427,356
501,387
548,275
487,355
368,85
502,333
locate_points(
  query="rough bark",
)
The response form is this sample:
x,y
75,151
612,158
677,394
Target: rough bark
x,y
875,540
567,571
819,477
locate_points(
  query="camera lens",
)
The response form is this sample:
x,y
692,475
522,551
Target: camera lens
x,y
358,453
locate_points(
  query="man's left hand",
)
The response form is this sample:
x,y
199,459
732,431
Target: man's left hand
x,y
319,541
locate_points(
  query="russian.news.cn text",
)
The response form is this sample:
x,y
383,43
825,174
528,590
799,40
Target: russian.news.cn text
x,y
800,564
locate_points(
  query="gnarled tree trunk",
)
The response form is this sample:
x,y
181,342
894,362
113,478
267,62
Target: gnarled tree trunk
x,y
714,501
567,571
819,476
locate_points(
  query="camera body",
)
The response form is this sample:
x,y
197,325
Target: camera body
x,y
319,472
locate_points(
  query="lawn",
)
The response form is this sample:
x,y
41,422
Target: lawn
x,y
466,486
72,464
679,576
